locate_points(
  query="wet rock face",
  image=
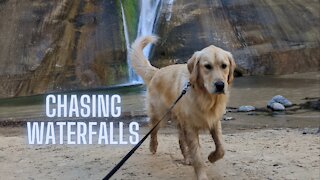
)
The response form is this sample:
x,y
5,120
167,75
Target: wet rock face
x,y
266,37
60,45
193,25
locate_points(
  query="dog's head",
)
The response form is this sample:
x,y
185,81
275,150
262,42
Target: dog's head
x,y
211,69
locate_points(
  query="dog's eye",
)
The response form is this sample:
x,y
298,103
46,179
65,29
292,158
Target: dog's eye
x,y
208,66
223,66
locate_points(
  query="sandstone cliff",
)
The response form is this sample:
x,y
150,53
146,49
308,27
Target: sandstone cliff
x,y
265,36
50,46
61,45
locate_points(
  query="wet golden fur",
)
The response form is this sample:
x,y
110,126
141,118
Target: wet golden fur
x,y
201,108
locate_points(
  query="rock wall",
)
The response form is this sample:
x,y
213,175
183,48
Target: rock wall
x,y
265,36
61,45
50,46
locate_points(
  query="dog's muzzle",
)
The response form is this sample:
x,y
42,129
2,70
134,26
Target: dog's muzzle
x,y
219,87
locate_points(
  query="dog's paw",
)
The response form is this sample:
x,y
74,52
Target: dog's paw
x,y
188,161
153,147
215,156
153,151
202,176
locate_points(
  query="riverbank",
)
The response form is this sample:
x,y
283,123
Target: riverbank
x,y
299,88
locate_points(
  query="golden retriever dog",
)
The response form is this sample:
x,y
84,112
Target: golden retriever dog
x,y
210,72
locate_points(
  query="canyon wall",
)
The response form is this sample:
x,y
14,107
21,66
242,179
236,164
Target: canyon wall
x,y
51,46
265,36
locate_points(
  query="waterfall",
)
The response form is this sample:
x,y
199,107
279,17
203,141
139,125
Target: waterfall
x,y
148,15
147,18
169,9
133,78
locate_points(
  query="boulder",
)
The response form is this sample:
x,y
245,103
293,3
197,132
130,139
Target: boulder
x,y
280,99
277,107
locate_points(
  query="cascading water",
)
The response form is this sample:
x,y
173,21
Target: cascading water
x,y
148,15
133,78
169,10
147,18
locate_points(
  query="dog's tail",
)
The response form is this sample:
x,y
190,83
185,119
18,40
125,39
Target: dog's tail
x,y
139,62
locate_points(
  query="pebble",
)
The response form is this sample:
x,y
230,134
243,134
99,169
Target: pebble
x,y
228,118
246,108
277,107
280,99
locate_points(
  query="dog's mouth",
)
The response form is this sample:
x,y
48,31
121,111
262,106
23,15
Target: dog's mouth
x,y
219,92
215,91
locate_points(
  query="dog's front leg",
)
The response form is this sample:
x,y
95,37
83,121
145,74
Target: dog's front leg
x,y
217,138
183,145
194,150
154,135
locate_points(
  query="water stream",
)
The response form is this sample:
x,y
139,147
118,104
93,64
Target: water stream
x,y
133,78
148,15
147,18
253,90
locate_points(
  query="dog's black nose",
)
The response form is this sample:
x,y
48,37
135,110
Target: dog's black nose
x,y
219,86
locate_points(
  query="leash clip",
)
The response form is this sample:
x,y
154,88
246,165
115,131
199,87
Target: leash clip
x,y
186,87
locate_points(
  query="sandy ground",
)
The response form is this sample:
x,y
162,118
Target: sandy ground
x,y
256,154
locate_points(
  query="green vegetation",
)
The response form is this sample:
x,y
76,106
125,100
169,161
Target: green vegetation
x,y
123,69
131,11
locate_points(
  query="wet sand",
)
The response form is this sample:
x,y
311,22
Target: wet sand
x,y
259,145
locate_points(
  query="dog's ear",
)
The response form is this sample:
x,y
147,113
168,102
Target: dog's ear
x,y
192,62
192,67
231,68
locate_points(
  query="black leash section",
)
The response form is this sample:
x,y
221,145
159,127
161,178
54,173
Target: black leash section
x,y
129,154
